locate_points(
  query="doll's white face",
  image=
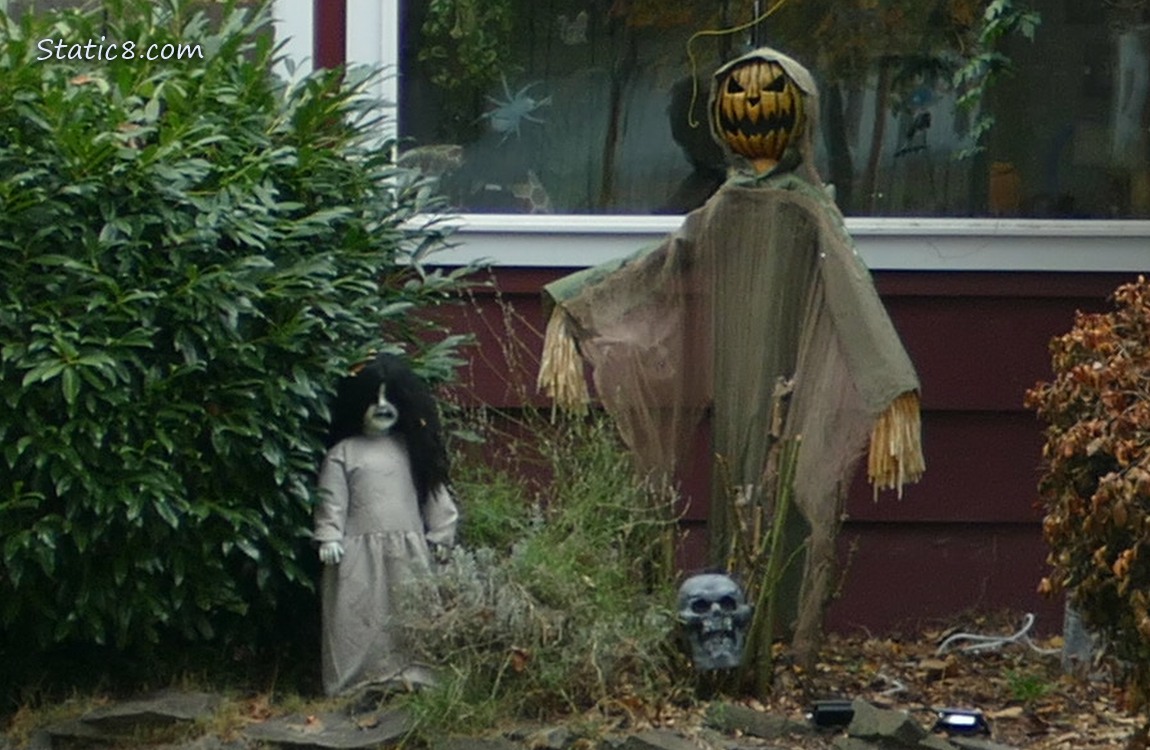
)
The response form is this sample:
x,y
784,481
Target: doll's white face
x,y
381,416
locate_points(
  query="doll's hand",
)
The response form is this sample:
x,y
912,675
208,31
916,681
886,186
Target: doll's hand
x,y
330,553
440,553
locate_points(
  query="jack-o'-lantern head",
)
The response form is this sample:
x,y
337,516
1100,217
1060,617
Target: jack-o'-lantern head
x,y
759,107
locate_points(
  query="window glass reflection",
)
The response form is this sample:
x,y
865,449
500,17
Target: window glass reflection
x,y
587,106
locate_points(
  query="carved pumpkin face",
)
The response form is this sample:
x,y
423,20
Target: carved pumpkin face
x,y
758,111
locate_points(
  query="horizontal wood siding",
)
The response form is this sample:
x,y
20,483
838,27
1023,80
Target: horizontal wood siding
x,y
968,536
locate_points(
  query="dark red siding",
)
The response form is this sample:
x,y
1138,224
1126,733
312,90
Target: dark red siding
x,y
329,45
967,537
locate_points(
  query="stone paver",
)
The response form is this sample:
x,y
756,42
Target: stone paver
x,y
728,726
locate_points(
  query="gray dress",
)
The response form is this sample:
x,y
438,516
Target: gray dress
x,y
369,505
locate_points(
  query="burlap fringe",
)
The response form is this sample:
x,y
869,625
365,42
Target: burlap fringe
x,y
561,367
896,446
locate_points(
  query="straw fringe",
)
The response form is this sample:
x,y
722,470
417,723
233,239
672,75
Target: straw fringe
x,y
561,367
896,446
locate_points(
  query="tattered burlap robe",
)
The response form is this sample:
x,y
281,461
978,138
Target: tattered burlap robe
x,y
762,282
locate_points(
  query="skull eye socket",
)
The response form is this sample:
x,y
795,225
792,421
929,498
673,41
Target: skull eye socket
x,y
703,606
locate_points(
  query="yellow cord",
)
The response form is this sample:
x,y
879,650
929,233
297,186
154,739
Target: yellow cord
x,y
717,32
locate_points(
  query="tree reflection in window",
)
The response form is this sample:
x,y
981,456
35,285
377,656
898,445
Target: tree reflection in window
x,y
583,106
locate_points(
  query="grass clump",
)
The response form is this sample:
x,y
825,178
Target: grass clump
x,y
1028,686
572,614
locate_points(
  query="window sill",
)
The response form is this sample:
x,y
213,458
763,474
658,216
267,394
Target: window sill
x,y
570,241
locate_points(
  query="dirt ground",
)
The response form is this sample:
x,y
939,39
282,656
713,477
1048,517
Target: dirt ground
x,y
1020,689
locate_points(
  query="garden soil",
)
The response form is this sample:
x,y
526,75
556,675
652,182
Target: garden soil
x,y
1019,688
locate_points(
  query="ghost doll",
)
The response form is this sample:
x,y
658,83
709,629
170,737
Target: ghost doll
x,y
385,506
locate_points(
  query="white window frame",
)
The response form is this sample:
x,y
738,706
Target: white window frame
x,y
294,23
577,241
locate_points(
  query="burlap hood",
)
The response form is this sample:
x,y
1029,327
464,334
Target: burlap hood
x,y
804,158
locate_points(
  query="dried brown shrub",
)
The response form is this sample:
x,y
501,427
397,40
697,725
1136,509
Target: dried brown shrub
x,y
1096,486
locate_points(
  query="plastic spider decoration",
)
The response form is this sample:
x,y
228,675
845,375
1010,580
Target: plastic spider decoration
x,y
508,114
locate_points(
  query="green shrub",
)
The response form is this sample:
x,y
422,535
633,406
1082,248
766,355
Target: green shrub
x,y
577,612
192,252
1096,484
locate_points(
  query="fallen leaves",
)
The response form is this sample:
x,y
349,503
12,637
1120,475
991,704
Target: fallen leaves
x,y
1022,693
520,658
1010,712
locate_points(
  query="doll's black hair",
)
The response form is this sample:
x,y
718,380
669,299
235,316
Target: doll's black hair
x,y
418,420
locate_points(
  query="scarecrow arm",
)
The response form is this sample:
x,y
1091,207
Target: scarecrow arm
x,y
561,368
896,446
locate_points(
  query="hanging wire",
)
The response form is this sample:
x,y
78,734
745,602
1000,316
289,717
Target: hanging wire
x,y
718,32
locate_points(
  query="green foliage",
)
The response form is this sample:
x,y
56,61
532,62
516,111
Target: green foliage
x,y
1028,686
501,517
467,40
576,613
192,252
464,43
985,63
956,43
1096,483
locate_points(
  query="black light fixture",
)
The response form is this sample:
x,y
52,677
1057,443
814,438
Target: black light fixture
x,y
961,721
831,713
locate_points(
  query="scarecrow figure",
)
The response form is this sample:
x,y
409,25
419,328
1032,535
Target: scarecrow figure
x,y
759,293
385,502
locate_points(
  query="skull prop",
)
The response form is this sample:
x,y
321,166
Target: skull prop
x,y
715,616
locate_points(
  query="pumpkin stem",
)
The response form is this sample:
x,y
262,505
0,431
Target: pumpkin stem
x,y
764,165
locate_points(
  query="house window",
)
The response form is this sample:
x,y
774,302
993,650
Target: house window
x,y
584,106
